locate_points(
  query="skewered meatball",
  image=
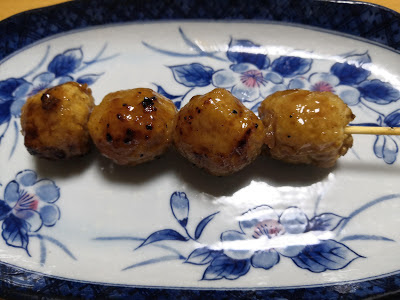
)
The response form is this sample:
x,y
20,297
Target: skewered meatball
x,y
306,127
218,133
133,126
54,121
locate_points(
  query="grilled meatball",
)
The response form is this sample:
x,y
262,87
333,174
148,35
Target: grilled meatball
x,y
54,121
133,126
306,127
218,133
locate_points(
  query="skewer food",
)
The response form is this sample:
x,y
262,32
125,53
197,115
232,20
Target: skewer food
x,y
214,131
133,126
218,133
54,121
306,127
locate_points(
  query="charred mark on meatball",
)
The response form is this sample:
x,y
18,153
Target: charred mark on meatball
x,y
148,101
119,117
234,111
129,136
256,125
109,138
149,127
49,101
243,141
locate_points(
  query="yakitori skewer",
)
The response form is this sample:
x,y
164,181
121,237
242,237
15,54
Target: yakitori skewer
x,y
372,130
214,131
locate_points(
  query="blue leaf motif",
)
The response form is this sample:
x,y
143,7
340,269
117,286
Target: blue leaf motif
x,y
245,51
161,91
349,74
325,222
327,255
202,256
366,237
4,210
5,111
180,207
225,267
192,75
89,79
386,148
66,63
8,86
289,66
163,235
379,92
393,119
359,59
203,223
15,232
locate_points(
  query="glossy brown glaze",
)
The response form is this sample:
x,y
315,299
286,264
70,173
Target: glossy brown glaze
x,y
306,127
133,126
218,133
54,121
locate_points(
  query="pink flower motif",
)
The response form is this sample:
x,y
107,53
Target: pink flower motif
x,y
247,82
252,78
322,86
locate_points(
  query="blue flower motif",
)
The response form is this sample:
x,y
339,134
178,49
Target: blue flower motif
x,y
251,76
264,225
327,82
28,205
265,237
247,82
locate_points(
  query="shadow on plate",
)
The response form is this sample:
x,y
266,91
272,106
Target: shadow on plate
x,y
172,164
64,168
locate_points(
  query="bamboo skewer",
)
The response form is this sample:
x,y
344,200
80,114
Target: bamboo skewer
x,y
372,130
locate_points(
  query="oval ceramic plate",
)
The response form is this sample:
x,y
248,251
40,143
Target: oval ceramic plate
x,y
89,228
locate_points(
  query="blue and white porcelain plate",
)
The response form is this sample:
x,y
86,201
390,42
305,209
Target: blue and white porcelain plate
x,y
88,228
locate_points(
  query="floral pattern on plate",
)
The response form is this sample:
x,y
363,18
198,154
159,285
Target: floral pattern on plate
x,y
70,65
264,237
251,75
28,205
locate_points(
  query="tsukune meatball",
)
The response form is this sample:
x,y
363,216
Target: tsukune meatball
x,y
133,126
305,127
54,121
218,133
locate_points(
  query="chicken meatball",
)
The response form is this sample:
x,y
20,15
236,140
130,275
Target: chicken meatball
x,y
217,132
54,121
306,127
133,126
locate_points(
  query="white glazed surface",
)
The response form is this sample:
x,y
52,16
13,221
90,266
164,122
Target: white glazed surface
x,y
100,202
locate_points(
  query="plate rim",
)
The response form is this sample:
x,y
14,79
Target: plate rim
x,y
8,287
